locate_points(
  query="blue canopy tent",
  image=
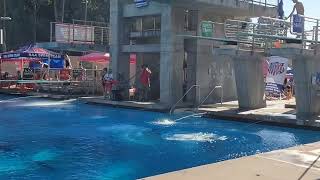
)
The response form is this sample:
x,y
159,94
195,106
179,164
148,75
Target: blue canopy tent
x,y
33,55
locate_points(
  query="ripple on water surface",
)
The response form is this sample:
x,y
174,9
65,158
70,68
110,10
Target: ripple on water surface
x,y
196,137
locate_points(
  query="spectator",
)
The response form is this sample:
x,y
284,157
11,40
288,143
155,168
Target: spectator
x,y
145,83
67,61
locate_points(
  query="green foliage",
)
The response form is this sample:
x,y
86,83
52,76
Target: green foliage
x,y
31,18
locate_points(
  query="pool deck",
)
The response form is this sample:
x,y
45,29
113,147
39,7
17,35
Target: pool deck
x,y
148,106
297,163
278,112
39,94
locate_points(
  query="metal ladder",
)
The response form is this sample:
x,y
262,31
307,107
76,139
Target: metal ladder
x,y
206,98
189,90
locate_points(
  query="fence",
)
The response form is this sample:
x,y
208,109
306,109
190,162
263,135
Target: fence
x,y
265,3
82,32
60,81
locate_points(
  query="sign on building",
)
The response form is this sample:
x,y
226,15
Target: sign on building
x,y
141,3
74,33
276,74
207,29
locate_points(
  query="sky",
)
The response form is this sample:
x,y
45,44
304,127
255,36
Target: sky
x,y
311,7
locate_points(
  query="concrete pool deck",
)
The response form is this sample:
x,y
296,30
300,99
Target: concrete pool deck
x,y
279,112
297,163
150,106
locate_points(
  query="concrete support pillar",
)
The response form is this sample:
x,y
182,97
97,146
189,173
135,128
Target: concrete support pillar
x,y
120,61
191,60
307,96
171,55
306,64
249,80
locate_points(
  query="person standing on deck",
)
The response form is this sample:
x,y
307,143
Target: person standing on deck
x,y
145,82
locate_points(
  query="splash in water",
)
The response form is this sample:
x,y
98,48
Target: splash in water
x,y
164,122
198,137
46,103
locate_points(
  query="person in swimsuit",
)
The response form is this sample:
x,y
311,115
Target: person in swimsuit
x,y
297,7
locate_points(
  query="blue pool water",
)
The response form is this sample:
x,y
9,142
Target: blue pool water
x,y
43,139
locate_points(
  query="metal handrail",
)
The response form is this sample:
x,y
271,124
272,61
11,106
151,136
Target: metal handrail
x,y
206,98
175,105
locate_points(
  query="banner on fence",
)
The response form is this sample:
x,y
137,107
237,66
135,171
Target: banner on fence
x,y
74,33
276,74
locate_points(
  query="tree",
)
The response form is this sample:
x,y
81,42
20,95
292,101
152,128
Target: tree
x,y
31,18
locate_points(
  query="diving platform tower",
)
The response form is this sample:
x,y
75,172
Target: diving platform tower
x,y
151,29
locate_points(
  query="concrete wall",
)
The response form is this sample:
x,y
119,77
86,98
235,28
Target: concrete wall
x,y
249,79
214,70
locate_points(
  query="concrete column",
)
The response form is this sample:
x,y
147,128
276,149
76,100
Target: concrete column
x,y
306,63
118,34
120,61
191,49
307,96
249,80
171,55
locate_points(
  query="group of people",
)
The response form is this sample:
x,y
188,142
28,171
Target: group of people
x,y
143,87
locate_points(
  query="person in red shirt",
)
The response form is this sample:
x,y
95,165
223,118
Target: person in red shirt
x,y
145,83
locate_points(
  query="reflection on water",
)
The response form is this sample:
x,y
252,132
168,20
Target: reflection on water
x,y
98,117
270,137
130,133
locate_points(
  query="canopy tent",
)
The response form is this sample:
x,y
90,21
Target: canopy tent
x,y
98,57
33,54
101,57
29,53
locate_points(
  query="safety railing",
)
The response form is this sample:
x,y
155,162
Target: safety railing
x,y
209,94
268,32
189,90
265,3
81,33
75,81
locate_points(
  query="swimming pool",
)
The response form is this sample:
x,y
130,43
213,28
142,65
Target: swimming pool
x,y
44,139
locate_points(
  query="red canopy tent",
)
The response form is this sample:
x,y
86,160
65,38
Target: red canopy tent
x,y
97,57
101,57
